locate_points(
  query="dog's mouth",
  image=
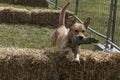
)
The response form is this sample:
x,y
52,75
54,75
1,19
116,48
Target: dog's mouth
x,y
77,40
80,37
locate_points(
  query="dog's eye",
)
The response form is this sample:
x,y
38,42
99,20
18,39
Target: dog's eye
x,y
76,31
83,31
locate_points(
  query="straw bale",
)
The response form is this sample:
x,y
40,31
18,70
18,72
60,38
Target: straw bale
x,y
38,3
25,64
45,17
42,17
34,64
14,15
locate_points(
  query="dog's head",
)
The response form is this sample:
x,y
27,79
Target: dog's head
x,y
77,29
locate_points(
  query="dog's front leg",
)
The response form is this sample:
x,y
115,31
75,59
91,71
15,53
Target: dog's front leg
x,y
70,55
77,55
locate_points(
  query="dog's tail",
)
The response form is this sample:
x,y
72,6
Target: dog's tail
x,y
62,14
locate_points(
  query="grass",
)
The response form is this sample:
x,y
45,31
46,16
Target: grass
x,y
30,36
35,36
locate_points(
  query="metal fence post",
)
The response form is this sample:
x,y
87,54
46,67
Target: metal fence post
x,y
56,4
76,7
109,24
114,21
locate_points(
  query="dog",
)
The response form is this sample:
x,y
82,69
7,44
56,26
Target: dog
x,y
62,35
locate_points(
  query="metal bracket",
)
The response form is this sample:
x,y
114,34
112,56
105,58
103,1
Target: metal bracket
x,y
102,47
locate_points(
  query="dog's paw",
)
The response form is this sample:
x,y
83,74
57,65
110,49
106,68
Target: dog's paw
x,y
77,59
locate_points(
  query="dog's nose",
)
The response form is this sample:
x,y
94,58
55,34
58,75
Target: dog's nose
x,y
80,37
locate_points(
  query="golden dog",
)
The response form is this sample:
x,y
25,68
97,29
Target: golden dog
x,y
62,35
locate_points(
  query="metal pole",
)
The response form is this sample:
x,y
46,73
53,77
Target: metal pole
x,y
76,7
109,23
114,21
56,4
52,3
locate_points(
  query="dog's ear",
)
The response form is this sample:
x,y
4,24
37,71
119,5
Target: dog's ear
x,y
71,20
87,22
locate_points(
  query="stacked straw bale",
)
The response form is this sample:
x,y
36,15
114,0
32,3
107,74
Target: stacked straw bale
x,y
13,15
33,64
38,3
42,17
